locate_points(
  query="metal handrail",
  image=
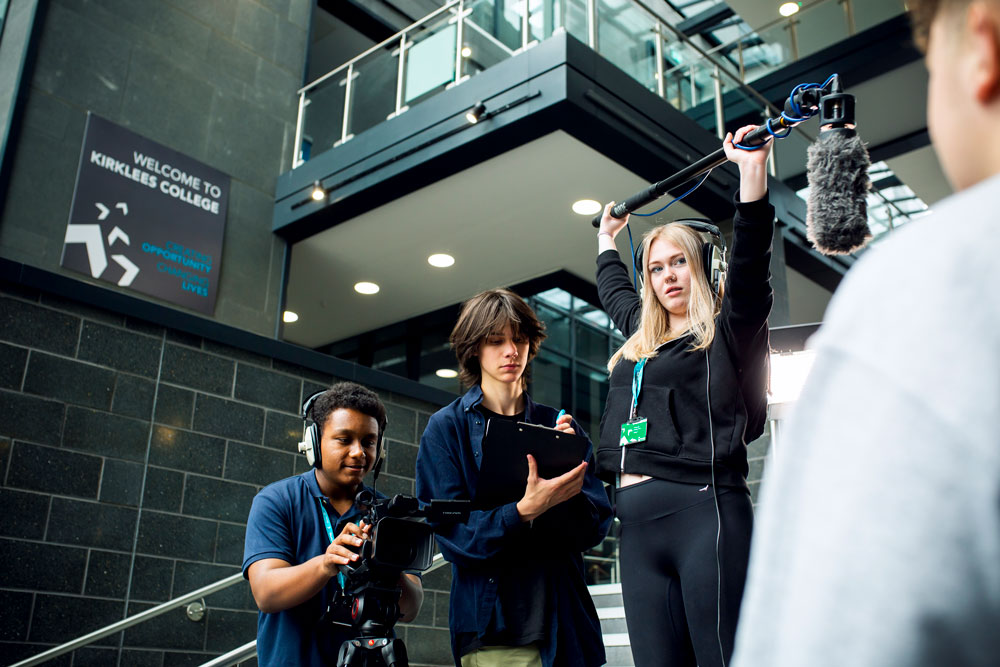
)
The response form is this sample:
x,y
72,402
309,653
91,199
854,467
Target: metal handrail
x,y
436,562
382,44
130,621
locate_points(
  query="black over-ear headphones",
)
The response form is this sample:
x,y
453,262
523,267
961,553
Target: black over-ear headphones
x,y
713,252
311,444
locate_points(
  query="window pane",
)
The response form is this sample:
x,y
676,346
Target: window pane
x,y
591,393
551,381
591,345
557,327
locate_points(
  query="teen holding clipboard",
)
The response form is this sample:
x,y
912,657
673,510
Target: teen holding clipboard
x,y
518,595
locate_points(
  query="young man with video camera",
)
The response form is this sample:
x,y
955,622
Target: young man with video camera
x,y
519,596
291,556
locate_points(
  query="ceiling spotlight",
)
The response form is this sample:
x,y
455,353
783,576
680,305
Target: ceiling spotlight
x,y
290,317
440,260
446,373
466,52
789,8
366,288
586,207
318,193
475,113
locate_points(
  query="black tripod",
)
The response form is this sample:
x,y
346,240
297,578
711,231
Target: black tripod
x,y
373,611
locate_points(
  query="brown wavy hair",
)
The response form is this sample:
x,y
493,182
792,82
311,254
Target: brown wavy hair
x,y
487,313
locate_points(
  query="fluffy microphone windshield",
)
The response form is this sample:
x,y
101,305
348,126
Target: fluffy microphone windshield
x,y
836,211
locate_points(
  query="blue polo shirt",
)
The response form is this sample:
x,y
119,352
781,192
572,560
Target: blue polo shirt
x,y
285,522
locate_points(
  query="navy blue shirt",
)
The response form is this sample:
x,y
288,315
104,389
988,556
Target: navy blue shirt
x,y
495,547
285,522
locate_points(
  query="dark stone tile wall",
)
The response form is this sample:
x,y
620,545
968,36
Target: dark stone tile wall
x,y
129,456
214,79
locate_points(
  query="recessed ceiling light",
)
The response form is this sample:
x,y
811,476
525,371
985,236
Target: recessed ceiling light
x,y
466,52
789,8
440,260
289,316
586,207
366,288
446,373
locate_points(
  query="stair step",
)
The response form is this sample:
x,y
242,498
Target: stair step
x,y
611,612
618,656
610,626
616,639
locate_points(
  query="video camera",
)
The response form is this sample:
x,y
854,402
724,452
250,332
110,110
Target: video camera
x,y
367,598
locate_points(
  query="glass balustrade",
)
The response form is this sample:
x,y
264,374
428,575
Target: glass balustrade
x,y
465,37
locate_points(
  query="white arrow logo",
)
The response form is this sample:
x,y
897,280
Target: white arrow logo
x,y
90,235
104,210
117,233
123,206
131,270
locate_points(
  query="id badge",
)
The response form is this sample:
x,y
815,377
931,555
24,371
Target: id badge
x,y
633,431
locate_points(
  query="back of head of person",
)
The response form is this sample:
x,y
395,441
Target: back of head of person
x,y
676,296
961,39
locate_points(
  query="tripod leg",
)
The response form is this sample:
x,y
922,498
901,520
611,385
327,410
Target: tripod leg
x,y
351,655
394,654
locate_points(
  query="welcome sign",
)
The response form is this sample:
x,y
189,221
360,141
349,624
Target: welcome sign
x,y
146,217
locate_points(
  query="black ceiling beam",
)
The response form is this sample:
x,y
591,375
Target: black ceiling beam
x,y
358,17
706,20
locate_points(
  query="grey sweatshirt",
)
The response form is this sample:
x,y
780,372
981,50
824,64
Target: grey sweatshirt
x,y
878,537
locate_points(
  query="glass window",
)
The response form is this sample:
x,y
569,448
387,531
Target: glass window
x,y
591,344
552,380
591,393
557,328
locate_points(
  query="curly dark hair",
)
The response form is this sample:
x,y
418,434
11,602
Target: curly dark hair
x,y
486,313
349,395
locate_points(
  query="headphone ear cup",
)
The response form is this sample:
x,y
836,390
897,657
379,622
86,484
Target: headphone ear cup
x,y
315,454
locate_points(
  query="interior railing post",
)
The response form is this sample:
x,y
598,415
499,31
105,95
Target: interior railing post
x,y
660,85
459,35
849,16
793,38
720,121
297,148
401,72
347,102
525,25
592,24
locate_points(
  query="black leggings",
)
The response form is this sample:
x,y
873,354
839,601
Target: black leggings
x,y
669,572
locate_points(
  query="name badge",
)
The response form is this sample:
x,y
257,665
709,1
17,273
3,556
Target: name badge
x,y
633,431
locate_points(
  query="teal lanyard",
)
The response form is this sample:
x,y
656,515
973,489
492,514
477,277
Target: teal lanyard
x,y
326,520
636,388
329,533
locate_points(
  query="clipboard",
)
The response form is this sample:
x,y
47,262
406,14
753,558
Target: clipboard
x,y
503,474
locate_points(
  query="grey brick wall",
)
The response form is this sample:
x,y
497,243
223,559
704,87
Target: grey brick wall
x,y
129,456
214,79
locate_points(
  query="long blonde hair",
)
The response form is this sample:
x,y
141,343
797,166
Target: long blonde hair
x,y
654,323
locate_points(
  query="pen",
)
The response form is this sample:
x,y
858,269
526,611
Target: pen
x,y
559,416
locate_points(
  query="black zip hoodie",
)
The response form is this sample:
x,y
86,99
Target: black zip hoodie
x,y
679,384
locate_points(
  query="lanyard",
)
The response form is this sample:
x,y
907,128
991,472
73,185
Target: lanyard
x,y
636,387
341,581
326,520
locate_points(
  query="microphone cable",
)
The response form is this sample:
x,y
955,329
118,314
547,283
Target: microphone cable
x,y
628,227
801,114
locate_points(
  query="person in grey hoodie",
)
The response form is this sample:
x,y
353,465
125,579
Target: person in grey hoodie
x,y
878,532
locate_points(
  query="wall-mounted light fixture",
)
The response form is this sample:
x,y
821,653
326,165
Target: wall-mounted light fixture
x,y
318,193
475,113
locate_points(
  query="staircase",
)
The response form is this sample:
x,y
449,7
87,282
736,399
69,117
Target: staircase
x,y
608,600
